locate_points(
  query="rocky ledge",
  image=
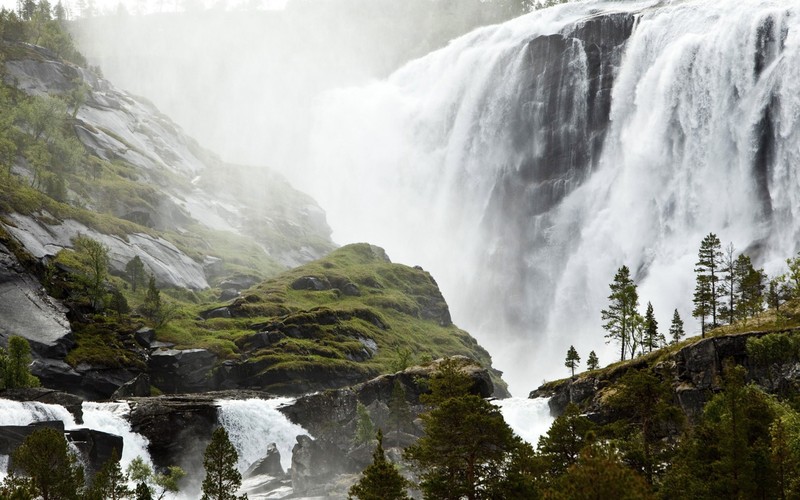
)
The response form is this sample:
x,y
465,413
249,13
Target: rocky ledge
x,y
694,371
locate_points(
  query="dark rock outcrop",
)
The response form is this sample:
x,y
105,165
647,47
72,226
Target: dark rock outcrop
x,y
95,447
178,428
70,402
178,371
11,436
138,387
695,373
270,465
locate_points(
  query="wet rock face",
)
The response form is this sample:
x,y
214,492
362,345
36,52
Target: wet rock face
x,y
70,402
178,428
177,371
95,447
27,311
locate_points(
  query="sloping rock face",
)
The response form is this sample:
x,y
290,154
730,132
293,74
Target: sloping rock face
x,y
695,373
27,311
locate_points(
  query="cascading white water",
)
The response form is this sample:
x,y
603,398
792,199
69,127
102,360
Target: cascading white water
x,y
473,163
529,418
105,417
252,424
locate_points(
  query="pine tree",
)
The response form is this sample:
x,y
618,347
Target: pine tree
x,y
222,477
54,471
467,444
365,429
676,328
15,365
728,286
707,291
380,480
136,273
110,483
399,410
562,444
752,293
592,363
618,318
652,339
572,360
152,300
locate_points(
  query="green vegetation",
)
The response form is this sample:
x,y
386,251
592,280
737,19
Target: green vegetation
x,y
150,484
573,359
14,365
380,480
621,314
222,478
365,429
50,470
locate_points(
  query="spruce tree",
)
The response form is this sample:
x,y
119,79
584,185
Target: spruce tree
x,y
54,471
708,291
572,360
380,480
152,300
15,365
728,285
652,339
676,328
136,273
365,429
222,477
399,410
592,363
110,483
621,312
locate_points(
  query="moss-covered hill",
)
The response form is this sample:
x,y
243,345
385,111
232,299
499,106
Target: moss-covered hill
x,y
336,321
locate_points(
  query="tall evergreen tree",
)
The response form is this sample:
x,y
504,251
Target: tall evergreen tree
x,y
467,445
54,471
592,363
560,447
708,269
222,477
365,429
728,285
572,360
676,328
380,480
751,289
110,483
15,365
399,410
623,302
136,273
652,339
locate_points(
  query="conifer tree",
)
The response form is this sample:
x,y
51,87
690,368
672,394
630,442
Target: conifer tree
x,y
365,429
652,339
676,328
15,365
380,480
136,273
728,285
222,477
707,290
592,363
562,444
54,471
399,410
110,483
572,359
621,312
152,300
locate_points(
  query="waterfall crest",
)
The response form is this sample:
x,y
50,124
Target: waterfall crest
x,y
525,162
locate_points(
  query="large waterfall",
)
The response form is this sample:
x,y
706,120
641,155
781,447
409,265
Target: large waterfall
x,y
525,162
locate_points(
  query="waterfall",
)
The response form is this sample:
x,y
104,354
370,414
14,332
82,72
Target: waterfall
x,y
105,417
525,162
529,418
252,424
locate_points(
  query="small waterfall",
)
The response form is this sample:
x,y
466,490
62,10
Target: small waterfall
x,y
253,424
105,417
529,418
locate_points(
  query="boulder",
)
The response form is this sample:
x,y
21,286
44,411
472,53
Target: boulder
x,y
219,312
311,283
177,428
138,387
11,436
270,465
315,463
145,336
95,447
187,370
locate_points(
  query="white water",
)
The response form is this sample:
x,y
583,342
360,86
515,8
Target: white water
x,y
253,424
412,163
529,418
